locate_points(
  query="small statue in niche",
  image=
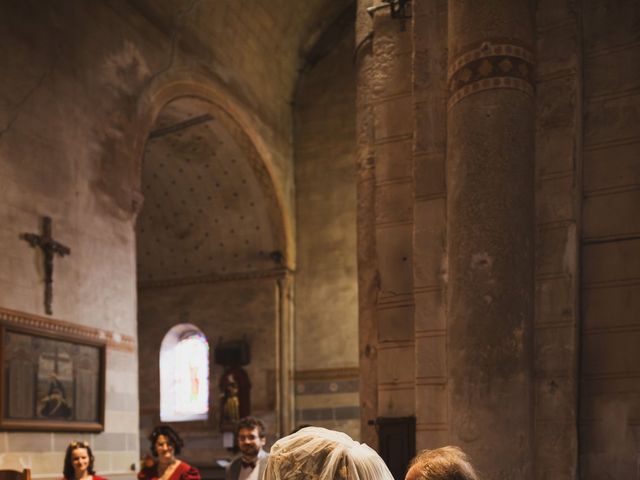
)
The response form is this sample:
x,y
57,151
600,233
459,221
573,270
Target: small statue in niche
x,y
235,399
231,409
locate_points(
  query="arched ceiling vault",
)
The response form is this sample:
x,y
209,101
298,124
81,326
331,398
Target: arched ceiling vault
x,y
256,47
209,207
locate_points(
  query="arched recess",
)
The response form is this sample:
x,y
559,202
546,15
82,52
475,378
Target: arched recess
x,y
271,153
186,121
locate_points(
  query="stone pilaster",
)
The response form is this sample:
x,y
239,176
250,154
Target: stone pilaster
x,y
385,216
429,61
558,163
367,266
393,132
490,237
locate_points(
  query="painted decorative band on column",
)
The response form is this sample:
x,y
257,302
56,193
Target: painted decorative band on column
x,y
490,66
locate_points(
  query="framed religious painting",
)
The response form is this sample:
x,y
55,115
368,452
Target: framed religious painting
x,y
50,382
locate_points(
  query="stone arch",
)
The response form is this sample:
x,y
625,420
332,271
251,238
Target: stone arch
x,y
257,138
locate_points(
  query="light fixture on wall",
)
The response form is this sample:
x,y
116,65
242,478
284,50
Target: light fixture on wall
x,y
397,8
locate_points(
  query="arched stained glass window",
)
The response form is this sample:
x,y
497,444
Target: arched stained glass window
x,y
184,375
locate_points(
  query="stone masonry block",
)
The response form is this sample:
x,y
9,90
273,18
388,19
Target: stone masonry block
x,y
553,247
393,74
612,119
118,421
429,174
618,71
429,310
430,439
550,12
609,23
394,245
62,440
389,39
556,102
122,461
396,403
554,301
110,441
396,364
557,50
394,202
600,387
322,400
555,149
431,358
18,461
607,262
431,403
431,124
393,117
122,401
553,440
395,323
555,399
393,161
554,199
429,242
122,382
423,10
46,463
555,349
610,353
614,214
611,167
120,361
29,442
430,71
611,307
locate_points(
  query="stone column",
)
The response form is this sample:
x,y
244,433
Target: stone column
x,y
490,236
285,397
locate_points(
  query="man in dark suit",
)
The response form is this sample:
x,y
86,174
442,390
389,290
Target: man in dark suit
x,y
250,434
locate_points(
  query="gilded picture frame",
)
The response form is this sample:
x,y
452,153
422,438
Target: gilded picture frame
x,y
50,381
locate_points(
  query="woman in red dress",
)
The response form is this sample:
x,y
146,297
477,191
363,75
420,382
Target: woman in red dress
x,y
78,463
165,445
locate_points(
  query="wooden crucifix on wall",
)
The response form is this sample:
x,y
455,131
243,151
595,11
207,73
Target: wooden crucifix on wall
x,y
49,248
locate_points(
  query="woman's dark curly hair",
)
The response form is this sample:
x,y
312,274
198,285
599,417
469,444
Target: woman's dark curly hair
x,y
174,439
68,471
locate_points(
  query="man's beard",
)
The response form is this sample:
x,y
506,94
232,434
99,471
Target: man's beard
x,y
249,450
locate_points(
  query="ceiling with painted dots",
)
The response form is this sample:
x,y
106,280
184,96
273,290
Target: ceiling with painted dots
x,y
208,208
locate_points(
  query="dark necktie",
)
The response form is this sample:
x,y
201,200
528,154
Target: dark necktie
x,y
250,465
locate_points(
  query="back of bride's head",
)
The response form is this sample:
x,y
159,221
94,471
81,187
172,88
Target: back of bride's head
x,y
319,454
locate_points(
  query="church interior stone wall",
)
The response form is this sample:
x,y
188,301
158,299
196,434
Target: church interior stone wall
x,y
326,302
609,402
584,119
322,184
222,311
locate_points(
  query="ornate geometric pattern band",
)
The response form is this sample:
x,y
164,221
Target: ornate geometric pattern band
x,y
490,66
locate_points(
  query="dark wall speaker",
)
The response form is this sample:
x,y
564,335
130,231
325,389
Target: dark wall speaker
x,y
233,353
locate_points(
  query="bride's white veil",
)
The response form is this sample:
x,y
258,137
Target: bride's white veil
x,y
315,453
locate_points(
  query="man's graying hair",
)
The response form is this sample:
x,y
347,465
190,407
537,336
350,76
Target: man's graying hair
x,y
446,463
